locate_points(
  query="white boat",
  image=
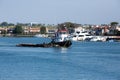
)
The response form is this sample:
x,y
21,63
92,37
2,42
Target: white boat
x,y
98,38
40,35
80,36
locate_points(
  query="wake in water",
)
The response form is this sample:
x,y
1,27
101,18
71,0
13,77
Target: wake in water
x,y
7,45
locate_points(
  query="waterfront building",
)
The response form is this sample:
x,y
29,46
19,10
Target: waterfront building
x,y
51,31
31,30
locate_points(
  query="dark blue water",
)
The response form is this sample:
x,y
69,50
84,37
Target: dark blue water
x,y
82,61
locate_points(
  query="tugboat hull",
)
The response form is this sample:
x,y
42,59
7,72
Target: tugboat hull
x,y
51,44
63,44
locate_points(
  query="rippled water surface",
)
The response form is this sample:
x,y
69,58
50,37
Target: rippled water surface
x,y
81,61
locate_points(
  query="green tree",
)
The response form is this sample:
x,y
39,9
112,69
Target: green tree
x,y
18,29
113,29
4,24
10,24
67,25
43,30
114,23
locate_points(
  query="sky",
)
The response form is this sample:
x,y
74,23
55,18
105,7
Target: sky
x,y
59,11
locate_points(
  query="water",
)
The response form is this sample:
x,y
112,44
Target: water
x,y
82,61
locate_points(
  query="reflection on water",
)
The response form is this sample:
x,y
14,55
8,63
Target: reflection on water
x,y
64,50
61,50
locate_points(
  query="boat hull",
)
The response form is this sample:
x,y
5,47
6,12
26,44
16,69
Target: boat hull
x,y
51,44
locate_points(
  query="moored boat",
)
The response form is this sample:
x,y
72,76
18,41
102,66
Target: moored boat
x,y
98,39
80,36
40,35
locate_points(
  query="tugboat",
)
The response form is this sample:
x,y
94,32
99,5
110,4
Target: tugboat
x,y
61,39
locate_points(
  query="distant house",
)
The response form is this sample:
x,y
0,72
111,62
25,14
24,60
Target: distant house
x,y
51,31
78,29
34,30
3,30
31,30
118,28
97,30
102,30
10,30
26,30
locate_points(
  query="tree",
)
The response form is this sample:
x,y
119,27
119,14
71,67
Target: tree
x,y
67,25
113,30
18,29
10,24
43,30
4,24
114,23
